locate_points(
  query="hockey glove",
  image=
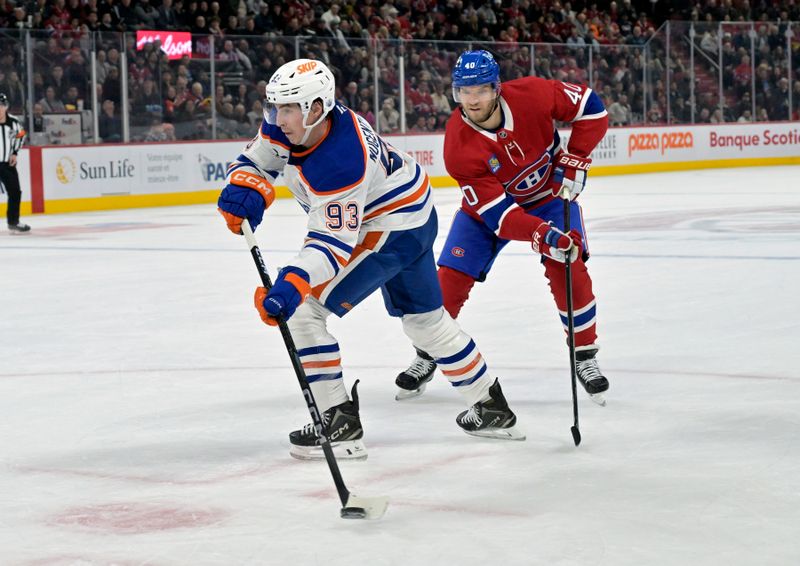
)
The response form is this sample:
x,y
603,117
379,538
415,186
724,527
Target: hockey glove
x,y
570,174
289,291
245,196
555,244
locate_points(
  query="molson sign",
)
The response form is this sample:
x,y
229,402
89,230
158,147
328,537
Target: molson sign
x,y
175,44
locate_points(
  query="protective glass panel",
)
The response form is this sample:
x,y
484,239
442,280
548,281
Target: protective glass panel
x,y
61,77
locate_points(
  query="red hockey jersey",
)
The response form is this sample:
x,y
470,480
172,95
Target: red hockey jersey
x,y
506,171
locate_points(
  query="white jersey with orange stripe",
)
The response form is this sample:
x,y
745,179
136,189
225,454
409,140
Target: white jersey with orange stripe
x,y
351,183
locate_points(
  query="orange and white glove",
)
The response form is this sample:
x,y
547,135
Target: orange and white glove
x,y
245,196
289,291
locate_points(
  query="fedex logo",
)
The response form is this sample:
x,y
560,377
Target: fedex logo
x,y
305,67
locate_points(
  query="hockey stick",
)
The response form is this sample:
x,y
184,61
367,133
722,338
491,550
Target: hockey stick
x,y
353,507
576,431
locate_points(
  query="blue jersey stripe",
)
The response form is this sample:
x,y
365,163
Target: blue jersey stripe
x,y
459,356
327,253
246,160
323,377
330,240
472,379
324,349
413,207
394,192
492,216
274,133
582,318
593,105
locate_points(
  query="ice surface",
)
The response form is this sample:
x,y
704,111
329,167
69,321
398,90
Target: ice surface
x,y
144,408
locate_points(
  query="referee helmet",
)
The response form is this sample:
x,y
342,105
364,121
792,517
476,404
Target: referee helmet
x,y
3,99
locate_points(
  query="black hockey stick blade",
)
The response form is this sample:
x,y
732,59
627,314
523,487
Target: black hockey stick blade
x,y
364,507
576,435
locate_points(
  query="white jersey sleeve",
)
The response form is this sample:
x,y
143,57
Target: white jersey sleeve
x,y
264,156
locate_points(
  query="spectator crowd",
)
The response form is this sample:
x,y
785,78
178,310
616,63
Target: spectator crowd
x,y
618,47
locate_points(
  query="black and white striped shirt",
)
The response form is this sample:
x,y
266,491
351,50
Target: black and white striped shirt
x,y
12,134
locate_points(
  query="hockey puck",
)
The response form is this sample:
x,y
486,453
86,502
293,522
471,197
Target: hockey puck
x,y
353,513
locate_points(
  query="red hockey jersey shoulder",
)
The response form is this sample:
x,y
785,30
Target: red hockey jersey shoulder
x,y
554,99
462,144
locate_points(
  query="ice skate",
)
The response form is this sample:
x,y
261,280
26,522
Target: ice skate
x,y
344,429
18,228
492,418
411,382
589,374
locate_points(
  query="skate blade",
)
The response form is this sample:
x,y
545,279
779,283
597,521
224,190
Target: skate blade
x,y
404,394
598,398
499,433
349,450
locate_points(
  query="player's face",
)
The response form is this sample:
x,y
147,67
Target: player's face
x,y
477,101
289,118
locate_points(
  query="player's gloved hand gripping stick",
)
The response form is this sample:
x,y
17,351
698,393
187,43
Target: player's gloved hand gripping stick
x,y
353,507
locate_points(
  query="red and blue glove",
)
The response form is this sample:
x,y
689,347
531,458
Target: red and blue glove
x,y
289,291
245,196
555,244
570,175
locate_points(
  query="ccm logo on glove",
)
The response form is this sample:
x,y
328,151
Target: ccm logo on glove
x,y
245,196
246,179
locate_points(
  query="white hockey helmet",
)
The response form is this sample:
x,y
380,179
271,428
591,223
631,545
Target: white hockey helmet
x,y
303,81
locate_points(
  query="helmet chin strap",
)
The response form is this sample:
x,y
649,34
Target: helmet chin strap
x,y
308,128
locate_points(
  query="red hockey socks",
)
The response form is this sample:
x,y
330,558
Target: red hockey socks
x,y
583,301
455,289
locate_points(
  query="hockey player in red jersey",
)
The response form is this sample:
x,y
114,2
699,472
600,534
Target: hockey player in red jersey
x,y
503,149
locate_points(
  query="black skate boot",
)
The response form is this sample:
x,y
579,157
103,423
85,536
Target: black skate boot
x,y
492,418
589,374
344,430
18,228
411,383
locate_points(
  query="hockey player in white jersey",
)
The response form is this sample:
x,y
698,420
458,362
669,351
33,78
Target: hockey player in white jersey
x,y
371,225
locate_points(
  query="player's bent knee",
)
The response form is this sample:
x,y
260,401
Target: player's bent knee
x,y
430,330
308,322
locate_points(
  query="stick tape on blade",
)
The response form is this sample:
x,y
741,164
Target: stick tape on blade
x,y
364,507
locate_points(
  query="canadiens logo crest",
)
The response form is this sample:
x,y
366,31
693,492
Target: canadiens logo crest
x,y
531,179
458,252
494,163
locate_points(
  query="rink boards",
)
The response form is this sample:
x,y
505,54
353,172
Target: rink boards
x,y
59,179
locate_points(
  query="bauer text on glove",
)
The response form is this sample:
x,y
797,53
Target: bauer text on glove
x,y
570,174
555,244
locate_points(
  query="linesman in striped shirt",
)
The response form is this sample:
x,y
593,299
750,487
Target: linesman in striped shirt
x,y
12,135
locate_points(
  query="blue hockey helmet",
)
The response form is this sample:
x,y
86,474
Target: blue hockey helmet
x,y
475,68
